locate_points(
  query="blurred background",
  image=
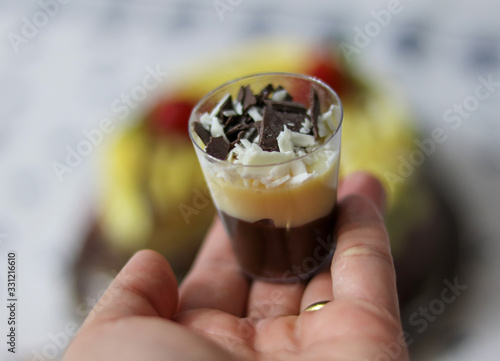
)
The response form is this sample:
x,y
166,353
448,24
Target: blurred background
x,y
95,163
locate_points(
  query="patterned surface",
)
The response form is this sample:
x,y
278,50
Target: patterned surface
x,y
84,55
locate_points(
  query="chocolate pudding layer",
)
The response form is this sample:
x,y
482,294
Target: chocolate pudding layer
x,y
279,253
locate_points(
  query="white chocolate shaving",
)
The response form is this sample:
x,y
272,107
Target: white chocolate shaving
x,y
206,121
322,131
253,157
298,168
216,110
254,113
216,129
285,141
280,95
228,113
224,175
302,140
306,126
326,119
238,107
336,115
298,179
278,182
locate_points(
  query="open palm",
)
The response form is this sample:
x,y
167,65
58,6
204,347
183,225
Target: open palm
x,y
219,314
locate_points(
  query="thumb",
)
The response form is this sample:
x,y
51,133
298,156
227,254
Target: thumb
x,y
146,286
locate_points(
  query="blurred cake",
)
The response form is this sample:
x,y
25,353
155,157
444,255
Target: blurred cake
x,y
154,192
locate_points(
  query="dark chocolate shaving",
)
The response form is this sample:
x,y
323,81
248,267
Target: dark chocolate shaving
x,y
247,119
249,99
286,106
241,94
252,133
218,148
237,128
227,105
239,137
293,121
246,97
272,126
259,127
202,132
315,109
264,93
231,122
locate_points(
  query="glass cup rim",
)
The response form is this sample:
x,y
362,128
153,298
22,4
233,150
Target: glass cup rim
x,y
259,75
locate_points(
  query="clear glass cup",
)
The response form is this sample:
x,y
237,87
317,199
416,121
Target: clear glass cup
x,y
281,231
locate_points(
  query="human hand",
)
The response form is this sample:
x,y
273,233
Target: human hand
x,y
218,314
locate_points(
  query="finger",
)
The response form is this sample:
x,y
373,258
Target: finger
x,y
366,185
146,286
320,287
362,265
274,299
215,280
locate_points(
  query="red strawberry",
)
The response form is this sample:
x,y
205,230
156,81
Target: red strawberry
x,y
326,68
171,116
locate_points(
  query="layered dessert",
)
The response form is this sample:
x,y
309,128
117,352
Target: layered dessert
x,y
154,194
271,164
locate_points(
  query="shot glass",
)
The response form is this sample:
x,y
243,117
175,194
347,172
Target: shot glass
x,y
279,217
